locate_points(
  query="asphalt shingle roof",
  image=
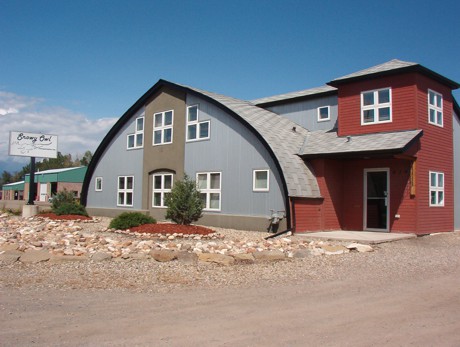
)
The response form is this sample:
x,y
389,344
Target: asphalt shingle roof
x,y
294,95
285,142
388,66
324,143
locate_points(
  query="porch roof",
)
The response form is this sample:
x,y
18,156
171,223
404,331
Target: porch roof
x,y
328,144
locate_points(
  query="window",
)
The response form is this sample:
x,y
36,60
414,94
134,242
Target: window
x,y
162,185
323,113
376,106
209,185
260,180
435,108
163,128
125,190
98,184
436,188
136,140
196,130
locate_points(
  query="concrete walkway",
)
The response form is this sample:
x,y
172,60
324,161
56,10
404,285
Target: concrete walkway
x,y
366,237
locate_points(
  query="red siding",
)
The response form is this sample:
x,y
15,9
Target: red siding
x,y
403,94
436,154
307,214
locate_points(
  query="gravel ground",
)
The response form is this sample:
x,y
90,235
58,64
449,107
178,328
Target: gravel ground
x,y
401,259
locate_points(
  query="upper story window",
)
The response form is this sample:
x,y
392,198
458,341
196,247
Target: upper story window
x,y
435,108
209,185
376,106
136,140
163,127
436,188
324,113
98,184
196,130
162,185
261,181
125,190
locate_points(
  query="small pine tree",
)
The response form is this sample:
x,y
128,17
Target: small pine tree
x,y
184,203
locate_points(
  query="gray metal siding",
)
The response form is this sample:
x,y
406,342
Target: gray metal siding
x,y
234,151
118,161
456,172
305,113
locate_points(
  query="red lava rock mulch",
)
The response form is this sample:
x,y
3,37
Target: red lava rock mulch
x,y
166,228
63,217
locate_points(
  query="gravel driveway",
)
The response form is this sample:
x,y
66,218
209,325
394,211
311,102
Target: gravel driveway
x,y
402,293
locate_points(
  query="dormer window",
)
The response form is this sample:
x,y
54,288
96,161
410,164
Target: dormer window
x,y
435,108
376,106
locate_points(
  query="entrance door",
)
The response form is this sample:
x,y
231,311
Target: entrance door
x,y
376,199
43,191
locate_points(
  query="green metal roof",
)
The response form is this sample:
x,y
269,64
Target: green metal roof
x,y
71,175
14,186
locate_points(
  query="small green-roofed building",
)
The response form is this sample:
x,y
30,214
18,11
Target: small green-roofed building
x,y
49,182
13,191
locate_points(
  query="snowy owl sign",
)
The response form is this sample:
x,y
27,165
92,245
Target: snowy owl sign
x,y
33,145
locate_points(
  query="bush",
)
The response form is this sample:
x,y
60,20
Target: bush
x,y
184,203
70,208
64,203
62,197
128,220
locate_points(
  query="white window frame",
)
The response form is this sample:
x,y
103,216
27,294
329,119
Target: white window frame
x,y
437,189
328,113
98,182
162,190
163,127
376,106
125,191
196,123
208,190
437,109
254,179
137,132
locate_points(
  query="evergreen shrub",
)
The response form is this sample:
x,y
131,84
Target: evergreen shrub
x,y
128,220
184,202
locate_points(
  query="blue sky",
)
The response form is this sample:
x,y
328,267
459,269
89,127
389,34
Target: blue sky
x,y
72,67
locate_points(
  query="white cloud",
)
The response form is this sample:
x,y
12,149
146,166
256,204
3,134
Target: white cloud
x,y
76,133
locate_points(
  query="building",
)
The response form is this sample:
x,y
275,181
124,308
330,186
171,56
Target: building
x,y
13,191
373,150
49,182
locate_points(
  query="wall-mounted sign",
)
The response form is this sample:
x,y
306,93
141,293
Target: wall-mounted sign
x,y
33,145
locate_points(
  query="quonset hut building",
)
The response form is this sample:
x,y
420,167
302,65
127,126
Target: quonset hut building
x,y
374,150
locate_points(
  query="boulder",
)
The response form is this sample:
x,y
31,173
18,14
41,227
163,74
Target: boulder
x,y
334,249
216,258
10,256
163,255
360,247
34,256
101,256
186,257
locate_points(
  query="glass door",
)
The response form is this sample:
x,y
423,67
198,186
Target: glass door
x,y
376,199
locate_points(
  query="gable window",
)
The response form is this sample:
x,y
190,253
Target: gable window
x,y
376,106
136,140
98,184
435,108
260,181
162,184
436,188
209,185
323,113
163,127
196,130
125,190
